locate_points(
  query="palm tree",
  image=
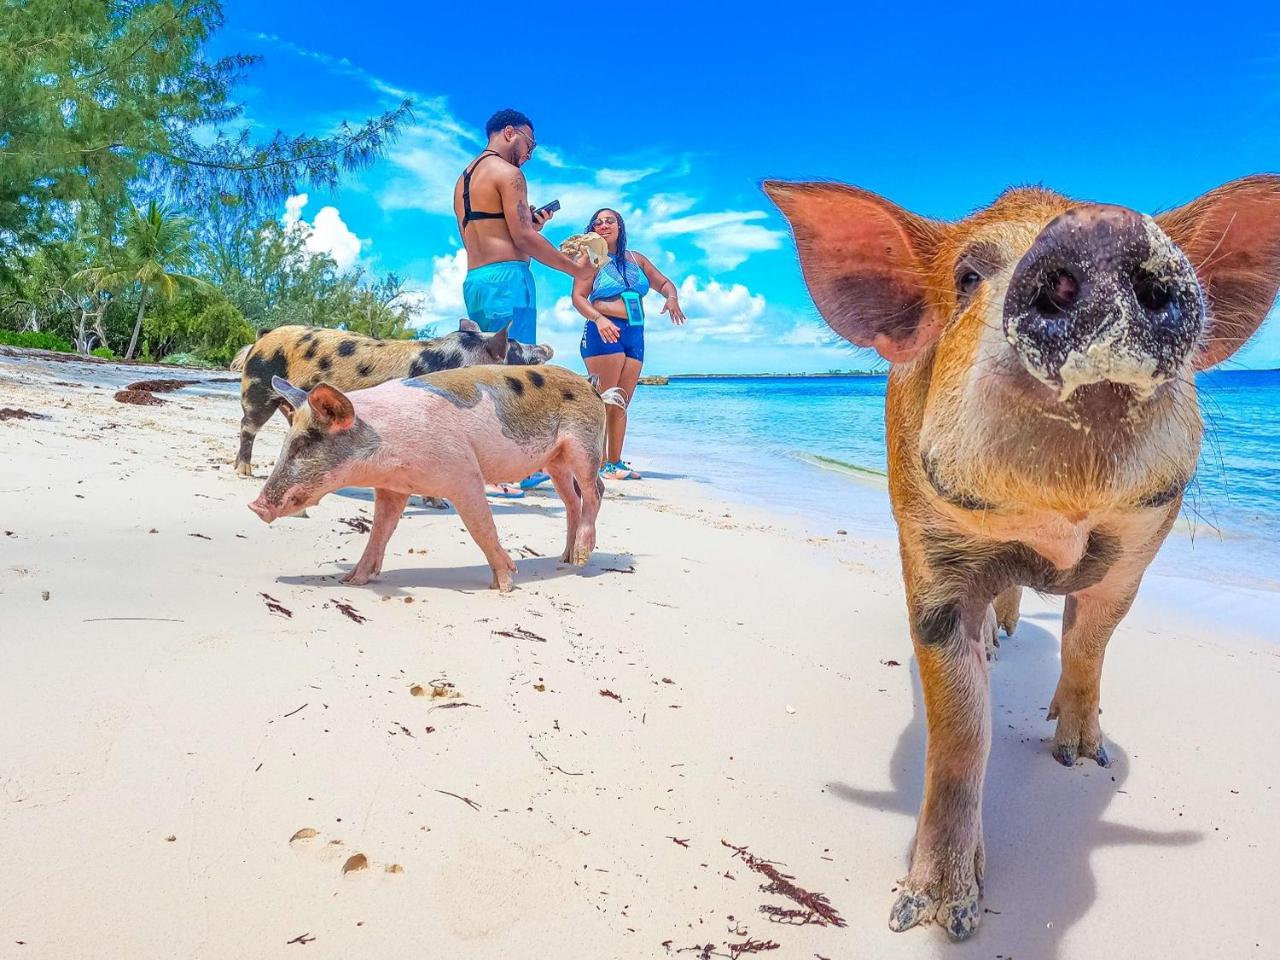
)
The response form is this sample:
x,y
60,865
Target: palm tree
x,y
157,247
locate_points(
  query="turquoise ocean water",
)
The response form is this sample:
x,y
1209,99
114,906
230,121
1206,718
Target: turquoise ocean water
x,y
814,447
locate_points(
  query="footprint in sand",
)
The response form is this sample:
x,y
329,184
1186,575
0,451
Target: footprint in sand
x,y
309,840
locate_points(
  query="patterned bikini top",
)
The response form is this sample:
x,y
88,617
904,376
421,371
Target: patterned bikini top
x,y
612,280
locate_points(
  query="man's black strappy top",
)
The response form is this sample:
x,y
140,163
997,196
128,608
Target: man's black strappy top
x,y
467,213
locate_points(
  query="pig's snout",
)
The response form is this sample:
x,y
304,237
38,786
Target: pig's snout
x,y
265,513
1103,295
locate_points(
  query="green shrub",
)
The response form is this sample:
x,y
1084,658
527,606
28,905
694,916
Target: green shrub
x,y
198,323
189,360
36,341
106,353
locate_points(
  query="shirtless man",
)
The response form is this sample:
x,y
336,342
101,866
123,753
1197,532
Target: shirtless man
x,y
500,234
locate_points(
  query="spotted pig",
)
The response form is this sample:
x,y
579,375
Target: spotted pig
x,y
307,356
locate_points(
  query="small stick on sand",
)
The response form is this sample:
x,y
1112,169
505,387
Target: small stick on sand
x,y
467,800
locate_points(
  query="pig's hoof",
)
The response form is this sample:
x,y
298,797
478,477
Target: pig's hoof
x,y
1078,734
910,909
244,469
502,584
581,557
1067,753
959,917
953,901
357,578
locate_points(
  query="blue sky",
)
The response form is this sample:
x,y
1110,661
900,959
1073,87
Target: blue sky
x,y
675,112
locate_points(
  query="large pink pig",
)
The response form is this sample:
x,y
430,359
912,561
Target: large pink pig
x,y
445,434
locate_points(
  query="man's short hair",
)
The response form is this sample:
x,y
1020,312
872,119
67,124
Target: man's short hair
x,y
506,118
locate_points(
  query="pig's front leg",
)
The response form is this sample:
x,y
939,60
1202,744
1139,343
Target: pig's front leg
x,y
1088,620
474,510
387,508
945,880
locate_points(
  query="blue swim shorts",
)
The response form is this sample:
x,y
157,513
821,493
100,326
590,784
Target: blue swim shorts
x,y
501,294
630,341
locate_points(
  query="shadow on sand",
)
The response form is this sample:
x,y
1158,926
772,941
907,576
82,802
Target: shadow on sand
x,y
469,579
1041,821
542,498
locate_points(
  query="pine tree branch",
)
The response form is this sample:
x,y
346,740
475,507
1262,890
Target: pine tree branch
x,y
178,14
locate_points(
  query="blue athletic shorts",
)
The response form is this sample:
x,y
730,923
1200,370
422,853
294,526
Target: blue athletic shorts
x,y
630,341
501,294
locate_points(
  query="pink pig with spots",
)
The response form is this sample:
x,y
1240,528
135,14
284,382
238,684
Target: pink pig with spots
x,y
445,435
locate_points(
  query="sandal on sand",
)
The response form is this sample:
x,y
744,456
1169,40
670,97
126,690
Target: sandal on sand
x,y
531,481
503,491
617,470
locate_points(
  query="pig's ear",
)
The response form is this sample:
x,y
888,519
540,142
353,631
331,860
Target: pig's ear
x,y
496,346
863,260
468,326
1231,235
330,408
291,394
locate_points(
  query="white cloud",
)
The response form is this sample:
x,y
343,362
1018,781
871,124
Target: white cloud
x,y
560,326
608,177
808,334
663,206
340,65
552,158
715,311
327,234
439,300
427,158
293,208
726,238
562,316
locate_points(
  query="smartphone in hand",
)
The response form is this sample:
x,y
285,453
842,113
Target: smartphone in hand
x,y
551,207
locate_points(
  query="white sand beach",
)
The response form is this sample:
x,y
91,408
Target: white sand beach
x,y
183,693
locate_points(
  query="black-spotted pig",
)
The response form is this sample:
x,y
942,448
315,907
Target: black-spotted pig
x,y
306,356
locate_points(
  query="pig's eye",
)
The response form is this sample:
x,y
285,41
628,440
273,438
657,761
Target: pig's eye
x,y
977,263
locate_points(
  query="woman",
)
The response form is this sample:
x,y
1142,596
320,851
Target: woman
x,y
613,337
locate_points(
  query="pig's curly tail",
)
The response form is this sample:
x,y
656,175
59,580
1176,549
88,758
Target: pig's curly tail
x,y
615,397
612,397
